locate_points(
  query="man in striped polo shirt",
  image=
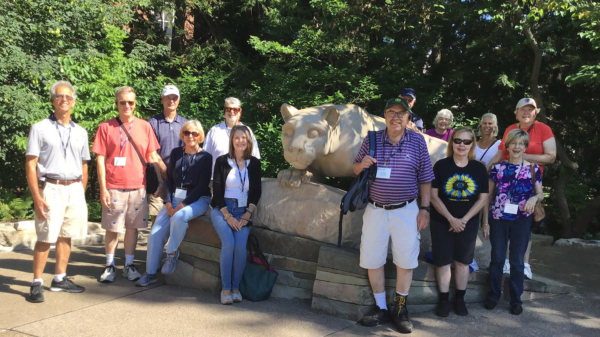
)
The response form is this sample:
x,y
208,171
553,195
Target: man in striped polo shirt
x,y
403,170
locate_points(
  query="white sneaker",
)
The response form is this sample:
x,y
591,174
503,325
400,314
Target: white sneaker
x,y
528,274
506,268
108,275
237,297
130,271
226,299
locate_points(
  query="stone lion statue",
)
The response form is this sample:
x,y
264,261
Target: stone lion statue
x,y
322,141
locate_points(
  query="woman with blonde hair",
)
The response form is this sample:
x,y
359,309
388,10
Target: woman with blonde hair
x,y
442,123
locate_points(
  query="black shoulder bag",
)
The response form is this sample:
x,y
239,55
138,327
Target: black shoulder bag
x,y
151,178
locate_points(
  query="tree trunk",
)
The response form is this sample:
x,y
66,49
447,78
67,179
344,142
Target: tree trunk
x,y
179,29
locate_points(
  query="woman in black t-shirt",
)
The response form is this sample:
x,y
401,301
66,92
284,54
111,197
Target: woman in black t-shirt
x,y
458,193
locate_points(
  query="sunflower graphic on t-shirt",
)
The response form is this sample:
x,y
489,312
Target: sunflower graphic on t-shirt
x,y
460,186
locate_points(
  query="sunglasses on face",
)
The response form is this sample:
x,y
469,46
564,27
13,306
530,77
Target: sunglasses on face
x,y
193,133
123,103
459,141
236,110
66,97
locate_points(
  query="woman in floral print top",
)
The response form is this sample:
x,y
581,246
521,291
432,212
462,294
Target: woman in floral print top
x,y
512,200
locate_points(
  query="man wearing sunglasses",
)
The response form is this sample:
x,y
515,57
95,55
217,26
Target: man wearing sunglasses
x,y
57,173
217,139
167,126
415,122
121,176
403,171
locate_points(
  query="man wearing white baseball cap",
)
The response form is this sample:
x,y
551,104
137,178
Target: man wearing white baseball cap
x,y
167,127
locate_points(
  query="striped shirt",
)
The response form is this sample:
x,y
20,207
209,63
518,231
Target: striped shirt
x,y
410,166
167,134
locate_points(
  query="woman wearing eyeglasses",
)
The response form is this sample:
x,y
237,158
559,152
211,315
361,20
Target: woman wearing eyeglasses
x,y
217,138
442,123
187,197
458,192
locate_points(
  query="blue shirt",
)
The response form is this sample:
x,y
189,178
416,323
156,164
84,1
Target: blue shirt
x,y
167,134
197,170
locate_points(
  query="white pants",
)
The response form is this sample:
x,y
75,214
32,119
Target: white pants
x,y
378,225
67,216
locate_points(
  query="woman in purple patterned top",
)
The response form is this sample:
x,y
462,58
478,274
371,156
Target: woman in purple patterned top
x,y
513,196
442,122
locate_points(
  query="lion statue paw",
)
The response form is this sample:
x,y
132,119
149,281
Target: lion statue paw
x,y
293,178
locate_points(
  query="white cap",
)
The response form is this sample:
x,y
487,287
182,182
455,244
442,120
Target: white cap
x,y
170,90
526,101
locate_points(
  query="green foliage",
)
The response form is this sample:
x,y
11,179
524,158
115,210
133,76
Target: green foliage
x,y
94,211
15,208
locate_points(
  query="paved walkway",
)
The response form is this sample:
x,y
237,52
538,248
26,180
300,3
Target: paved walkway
x,y
120,309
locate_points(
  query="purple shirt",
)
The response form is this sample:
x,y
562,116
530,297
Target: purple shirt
x,y
445,137
514,184
410,167
167,134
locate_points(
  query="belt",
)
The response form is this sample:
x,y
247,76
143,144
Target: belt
x,y
391,206
62,182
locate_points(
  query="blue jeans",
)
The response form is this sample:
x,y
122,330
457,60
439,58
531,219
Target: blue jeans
x,y
233,245
173,227
518,232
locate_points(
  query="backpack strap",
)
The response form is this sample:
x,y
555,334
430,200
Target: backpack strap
x,y
131,141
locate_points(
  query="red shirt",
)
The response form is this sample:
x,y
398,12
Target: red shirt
x,y
538,134
108,144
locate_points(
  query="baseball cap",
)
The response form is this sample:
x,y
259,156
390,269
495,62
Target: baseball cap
x,y
170,90
408,92
397,101
526,101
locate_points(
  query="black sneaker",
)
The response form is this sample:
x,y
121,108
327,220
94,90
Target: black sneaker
x,y
461,308
378,316
516,309
443,309
36,294
66,285
400,315
489,304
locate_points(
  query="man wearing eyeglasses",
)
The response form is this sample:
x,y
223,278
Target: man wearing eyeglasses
x,y
415,122
403,171
217,139
57,173
121,176
167,127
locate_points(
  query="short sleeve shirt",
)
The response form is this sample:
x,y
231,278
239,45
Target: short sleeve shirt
x,y
410,166
515,185
108,144
458,187
48,140
538,134
445,137
167,134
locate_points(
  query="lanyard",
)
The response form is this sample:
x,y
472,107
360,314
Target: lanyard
x,y
64,147
185,172
528,130
123,143
243,180
486,151
397,151
513,183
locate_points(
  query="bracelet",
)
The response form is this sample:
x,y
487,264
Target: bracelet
x,y
227,217
249,210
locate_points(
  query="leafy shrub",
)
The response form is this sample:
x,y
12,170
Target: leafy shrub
x,y
15,208
94,211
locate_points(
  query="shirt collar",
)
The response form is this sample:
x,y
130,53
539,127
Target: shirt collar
x,y
163,119
386,139
53,119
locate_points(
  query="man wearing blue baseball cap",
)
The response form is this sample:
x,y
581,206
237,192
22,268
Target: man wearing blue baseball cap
x,y
410,95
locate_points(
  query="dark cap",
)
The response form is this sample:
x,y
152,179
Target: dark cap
x,y
397,101
408,92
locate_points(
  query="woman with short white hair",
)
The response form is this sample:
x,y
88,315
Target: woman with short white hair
x,y
442,122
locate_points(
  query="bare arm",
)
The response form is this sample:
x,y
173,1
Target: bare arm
x,y
38,200
549,155
481,202
84,172
365,163
495,160
423,216
101,169
159,166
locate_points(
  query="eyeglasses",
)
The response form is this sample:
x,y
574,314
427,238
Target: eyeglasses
x,y
193,133
132,103
520,144
171,99
459,141
399,114
66,97
236,110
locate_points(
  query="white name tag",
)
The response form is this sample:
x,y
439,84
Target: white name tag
x,y
384,172
511,208
180,193
243,202
120,161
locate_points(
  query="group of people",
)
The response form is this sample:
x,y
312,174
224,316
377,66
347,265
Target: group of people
x,y
492,184
489,184
224,173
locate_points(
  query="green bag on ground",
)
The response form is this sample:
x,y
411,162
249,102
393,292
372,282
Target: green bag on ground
x,y
258,278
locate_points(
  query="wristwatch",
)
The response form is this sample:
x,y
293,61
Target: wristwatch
x,y
427,208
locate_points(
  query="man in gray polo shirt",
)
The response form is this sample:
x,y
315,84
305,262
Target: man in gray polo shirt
x,y
57,173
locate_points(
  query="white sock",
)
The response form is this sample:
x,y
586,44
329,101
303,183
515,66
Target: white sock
x,y
128,259
110,259
59,277
380,300
506,261
38,280
399,293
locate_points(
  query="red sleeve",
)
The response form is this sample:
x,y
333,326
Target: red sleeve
x,y
99,146
546,132
153,144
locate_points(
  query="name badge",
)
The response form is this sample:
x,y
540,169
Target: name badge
x,y
243,201
384,172
180,193
120,161
511,208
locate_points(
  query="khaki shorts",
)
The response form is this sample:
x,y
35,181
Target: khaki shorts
x,y
67,217
155,204
128,208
